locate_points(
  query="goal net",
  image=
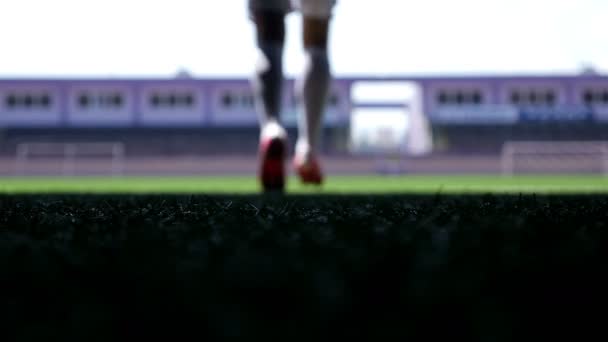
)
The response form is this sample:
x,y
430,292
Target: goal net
x,y
69,159
554,157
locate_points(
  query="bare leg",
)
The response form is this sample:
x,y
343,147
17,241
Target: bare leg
x,y
313,87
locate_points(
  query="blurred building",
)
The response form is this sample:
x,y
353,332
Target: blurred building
x,y
472,115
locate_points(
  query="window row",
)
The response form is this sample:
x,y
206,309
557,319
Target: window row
x,y
595,96
234,100
520,97
113,100
90,100
533,97
172,100
466,97
21,101
116,100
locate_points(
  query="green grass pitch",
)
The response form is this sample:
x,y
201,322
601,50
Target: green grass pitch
x,y
403,184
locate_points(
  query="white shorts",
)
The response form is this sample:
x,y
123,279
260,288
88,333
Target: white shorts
x,y
309,8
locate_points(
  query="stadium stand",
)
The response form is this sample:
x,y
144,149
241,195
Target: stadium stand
x,y
471,118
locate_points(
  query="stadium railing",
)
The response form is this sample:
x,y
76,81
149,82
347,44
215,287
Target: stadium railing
x,y
70,155
554,157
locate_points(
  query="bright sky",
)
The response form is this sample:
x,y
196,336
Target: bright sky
x,y
215,38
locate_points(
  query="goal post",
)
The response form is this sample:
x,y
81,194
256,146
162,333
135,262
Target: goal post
x,y
554,157
71,155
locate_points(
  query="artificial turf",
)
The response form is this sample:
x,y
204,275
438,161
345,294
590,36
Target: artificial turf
x,y
378,184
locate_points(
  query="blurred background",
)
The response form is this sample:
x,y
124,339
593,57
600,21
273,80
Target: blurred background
x,y
162,87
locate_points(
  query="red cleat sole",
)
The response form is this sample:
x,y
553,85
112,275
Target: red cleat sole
x,y
272,164
309,174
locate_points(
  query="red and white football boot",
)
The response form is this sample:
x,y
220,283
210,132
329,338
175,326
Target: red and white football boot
x,y
272,155
308,168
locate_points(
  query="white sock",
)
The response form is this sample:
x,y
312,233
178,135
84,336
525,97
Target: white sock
x,y
311,91
272,129
303,151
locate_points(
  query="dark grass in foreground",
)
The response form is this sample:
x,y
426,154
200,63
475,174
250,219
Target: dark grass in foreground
x,y
301,268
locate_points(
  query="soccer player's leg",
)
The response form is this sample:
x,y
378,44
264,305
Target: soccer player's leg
x,y
267,82
312,88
